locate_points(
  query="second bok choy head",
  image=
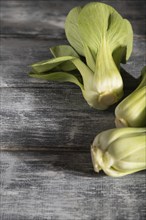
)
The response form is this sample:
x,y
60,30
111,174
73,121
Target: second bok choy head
x,y
100,40
131,112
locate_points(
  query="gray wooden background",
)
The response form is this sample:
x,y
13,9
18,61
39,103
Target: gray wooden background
x,y
47,128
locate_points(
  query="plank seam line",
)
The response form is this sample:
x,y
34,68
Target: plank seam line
x,y
45,150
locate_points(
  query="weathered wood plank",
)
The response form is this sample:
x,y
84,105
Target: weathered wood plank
x,y
47,17
63,185
17,54
49,118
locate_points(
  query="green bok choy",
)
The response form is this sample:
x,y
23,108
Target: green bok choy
x,y
100,40
119,151
131,112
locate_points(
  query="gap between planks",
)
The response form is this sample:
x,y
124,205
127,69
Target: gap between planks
x,y
43,149
35,36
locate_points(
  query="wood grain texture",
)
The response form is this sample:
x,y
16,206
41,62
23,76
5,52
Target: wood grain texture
x,y
46,129
61,186
17,54
50,118
46,18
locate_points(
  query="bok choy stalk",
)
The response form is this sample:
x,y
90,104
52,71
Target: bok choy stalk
x,y
119,151
100,40
131,112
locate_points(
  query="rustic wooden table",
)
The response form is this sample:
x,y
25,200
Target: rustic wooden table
x,y
47,128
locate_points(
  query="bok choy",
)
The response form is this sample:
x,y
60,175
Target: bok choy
x,y
131,112
119,151
100,40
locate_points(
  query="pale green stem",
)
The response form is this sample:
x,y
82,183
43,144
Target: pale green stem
x,y
107,79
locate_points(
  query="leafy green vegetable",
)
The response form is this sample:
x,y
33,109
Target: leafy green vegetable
x,y
119,151
101,39
131,112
